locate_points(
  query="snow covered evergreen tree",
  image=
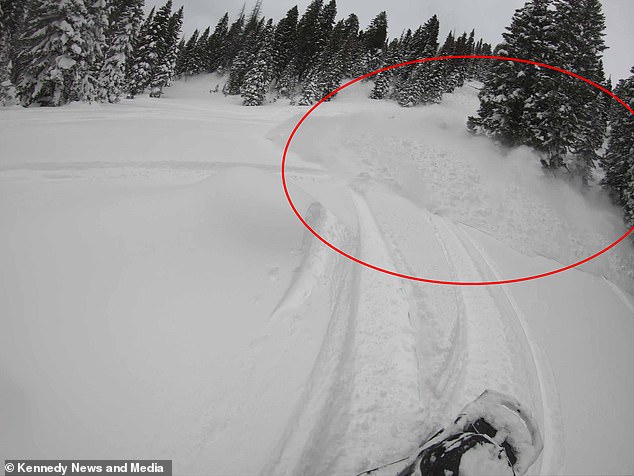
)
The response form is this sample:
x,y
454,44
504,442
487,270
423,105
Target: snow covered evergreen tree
x,y
284,42
327,74
481,67
618,162
87,86
504,96
326,23
248,51
449,72
201,53
214,51
375,35
308,39
152,63
580,48
312,89
12,18
125,17
139,64
166,31
353,48
422,84
6,86
233,42
56,45
382,85
188,57
256,81
340,57
374,38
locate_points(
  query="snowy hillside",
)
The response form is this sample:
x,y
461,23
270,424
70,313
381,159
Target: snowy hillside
x,y
159,298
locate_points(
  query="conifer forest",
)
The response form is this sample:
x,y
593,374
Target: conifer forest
x,y
53,52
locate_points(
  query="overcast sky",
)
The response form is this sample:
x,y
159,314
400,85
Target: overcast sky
x,y
488,17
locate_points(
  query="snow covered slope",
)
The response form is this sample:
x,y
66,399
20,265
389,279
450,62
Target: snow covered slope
x,y
158,298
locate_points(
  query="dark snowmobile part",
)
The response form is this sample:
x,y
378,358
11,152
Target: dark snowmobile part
x,y
492,435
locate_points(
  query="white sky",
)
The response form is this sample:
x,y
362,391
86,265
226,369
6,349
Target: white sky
x,y
488,17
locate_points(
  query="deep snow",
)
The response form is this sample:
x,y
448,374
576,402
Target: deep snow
x,y
158,298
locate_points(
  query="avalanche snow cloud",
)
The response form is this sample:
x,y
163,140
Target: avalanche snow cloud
x,y
431,279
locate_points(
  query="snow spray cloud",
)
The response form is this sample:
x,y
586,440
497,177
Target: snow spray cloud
x,y
429,279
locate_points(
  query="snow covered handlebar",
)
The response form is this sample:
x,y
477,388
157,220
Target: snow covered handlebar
x,y
493,434
510,423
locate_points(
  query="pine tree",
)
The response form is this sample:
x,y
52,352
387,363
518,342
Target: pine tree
x,y
159,31
87,87
449,69
340,57
187,62
375,35
564,118
55,49
233,42
284,42
124,18
618,162
422,83
509,86
382,85
580,48
248,51
546,105
353,48
167,28
308,39
326,23
202,51
469,65
139,64
328,72
482,66
5,62
312,89
12,17
214,52
256,81
373,43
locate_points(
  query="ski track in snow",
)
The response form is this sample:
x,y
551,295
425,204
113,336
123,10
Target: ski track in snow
x,y
542,383
365,376
490,330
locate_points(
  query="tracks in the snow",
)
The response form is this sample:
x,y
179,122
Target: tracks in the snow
x,y
401,357
489,343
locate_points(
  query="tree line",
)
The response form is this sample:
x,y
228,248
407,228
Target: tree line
x,y
305,57
56,51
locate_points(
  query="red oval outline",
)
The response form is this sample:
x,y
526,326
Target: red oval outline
x,y
427,280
